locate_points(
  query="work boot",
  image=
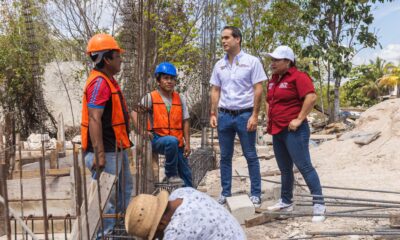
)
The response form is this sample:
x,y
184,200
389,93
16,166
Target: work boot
x,y
281,206
318,209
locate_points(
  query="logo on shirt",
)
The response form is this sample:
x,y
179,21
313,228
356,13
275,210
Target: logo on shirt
x,y
270,86
283,85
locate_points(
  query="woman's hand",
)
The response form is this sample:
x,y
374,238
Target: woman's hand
x,y
294,124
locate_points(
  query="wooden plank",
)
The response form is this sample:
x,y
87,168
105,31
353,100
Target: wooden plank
x,y
56,188
54,207
49,172
258,220
106,183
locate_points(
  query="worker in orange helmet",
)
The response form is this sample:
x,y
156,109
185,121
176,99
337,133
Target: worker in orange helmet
x,y
105,123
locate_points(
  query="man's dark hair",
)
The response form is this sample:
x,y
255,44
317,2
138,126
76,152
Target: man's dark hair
x,y
159,75
236,33
108,55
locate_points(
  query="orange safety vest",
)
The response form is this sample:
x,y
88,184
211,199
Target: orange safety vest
x,y
167,123
119,122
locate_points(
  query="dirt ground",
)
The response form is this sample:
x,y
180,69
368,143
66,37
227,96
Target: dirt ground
x,y
338,163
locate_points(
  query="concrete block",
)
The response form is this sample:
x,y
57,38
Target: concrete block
x,y
240,207
273,192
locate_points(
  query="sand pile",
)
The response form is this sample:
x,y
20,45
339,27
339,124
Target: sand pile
x,y
375,165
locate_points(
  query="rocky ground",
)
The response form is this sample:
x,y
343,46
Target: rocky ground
x,y
339,163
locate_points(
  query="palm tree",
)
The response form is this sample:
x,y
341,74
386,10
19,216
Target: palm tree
x,y
391,78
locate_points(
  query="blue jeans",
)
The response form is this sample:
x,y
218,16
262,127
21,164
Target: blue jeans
x,y
124,195
175,163
291,147
228,126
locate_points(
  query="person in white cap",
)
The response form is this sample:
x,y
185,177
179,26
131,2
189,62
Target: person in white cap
x,y
290,98
185,214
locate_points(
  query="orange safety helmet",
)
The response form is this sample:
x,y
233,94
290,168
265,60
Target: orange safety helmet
x,y
101,42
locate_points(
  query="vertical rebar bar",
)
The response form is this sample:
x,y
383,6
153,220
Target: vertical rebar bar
x,y
97,178
43,188
21,186
123,179
78,190
85,192
117,177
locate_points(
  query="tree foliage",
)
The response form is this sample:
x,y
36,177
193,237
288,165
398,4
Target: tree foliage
x,y
338,29
17,86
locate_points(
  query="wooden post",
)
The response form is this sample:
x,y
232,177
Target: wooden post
x,y
61,136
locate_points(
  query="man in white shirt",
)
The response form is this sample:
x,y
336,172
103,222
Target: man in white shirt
x,y
185,214
235,103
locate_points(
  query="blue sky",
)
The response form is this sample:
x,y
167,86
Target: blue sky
x,y
387,26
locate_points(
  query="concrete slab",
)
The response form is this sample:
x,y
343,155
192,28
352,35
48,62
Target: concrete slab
x,y
240,207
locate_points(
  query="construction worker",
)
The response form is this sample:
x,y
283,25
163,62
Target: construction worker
x,y
235,103
169,125
105,122
185,214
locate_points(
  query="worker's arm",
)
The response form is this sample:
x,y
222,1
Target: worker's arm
x,y
215,94
186,135
308,105
136,127
96,135
253,120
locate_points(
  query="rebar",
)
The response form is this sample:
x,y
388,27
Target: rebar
x,y
97,178
21,186
85,193
304,214
78,190
20,221
349,198
332,187
359,210
43,188
350,203
337,233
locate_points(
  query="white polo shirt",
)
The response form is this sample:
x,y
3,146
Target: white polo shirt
x,y
236,80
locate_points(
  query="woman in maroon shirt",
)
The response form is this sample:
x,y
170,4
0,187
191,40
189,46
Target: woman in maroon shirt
x,y
290,98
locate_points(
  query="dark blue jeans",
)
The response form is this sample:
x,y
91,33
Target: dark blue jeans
x,y
175,163
291,147
228,126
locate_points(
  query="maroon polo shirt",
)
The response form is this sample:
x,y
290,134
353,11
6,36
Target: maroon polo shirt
x,y
285,98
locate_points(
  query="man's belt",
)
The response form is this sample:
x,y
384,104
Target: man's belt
x,y
235,112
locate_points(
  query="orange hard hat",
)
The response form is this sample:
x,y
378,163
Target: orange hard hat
x,y
101,42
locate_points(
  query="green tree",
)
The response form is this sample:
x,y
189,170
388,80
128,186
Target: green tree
x,y
18,88
266,24
339,29
362,88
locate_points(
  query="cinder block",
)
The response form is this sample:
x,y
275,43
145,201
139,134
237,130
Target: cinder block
x,y
240,207
273,192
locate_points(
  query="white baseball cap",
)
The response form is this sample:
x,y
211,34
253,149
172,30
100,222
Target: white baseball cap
x,y
282,52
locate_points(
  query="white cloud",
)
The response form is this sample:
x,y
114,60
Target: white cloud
x,y
391,53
